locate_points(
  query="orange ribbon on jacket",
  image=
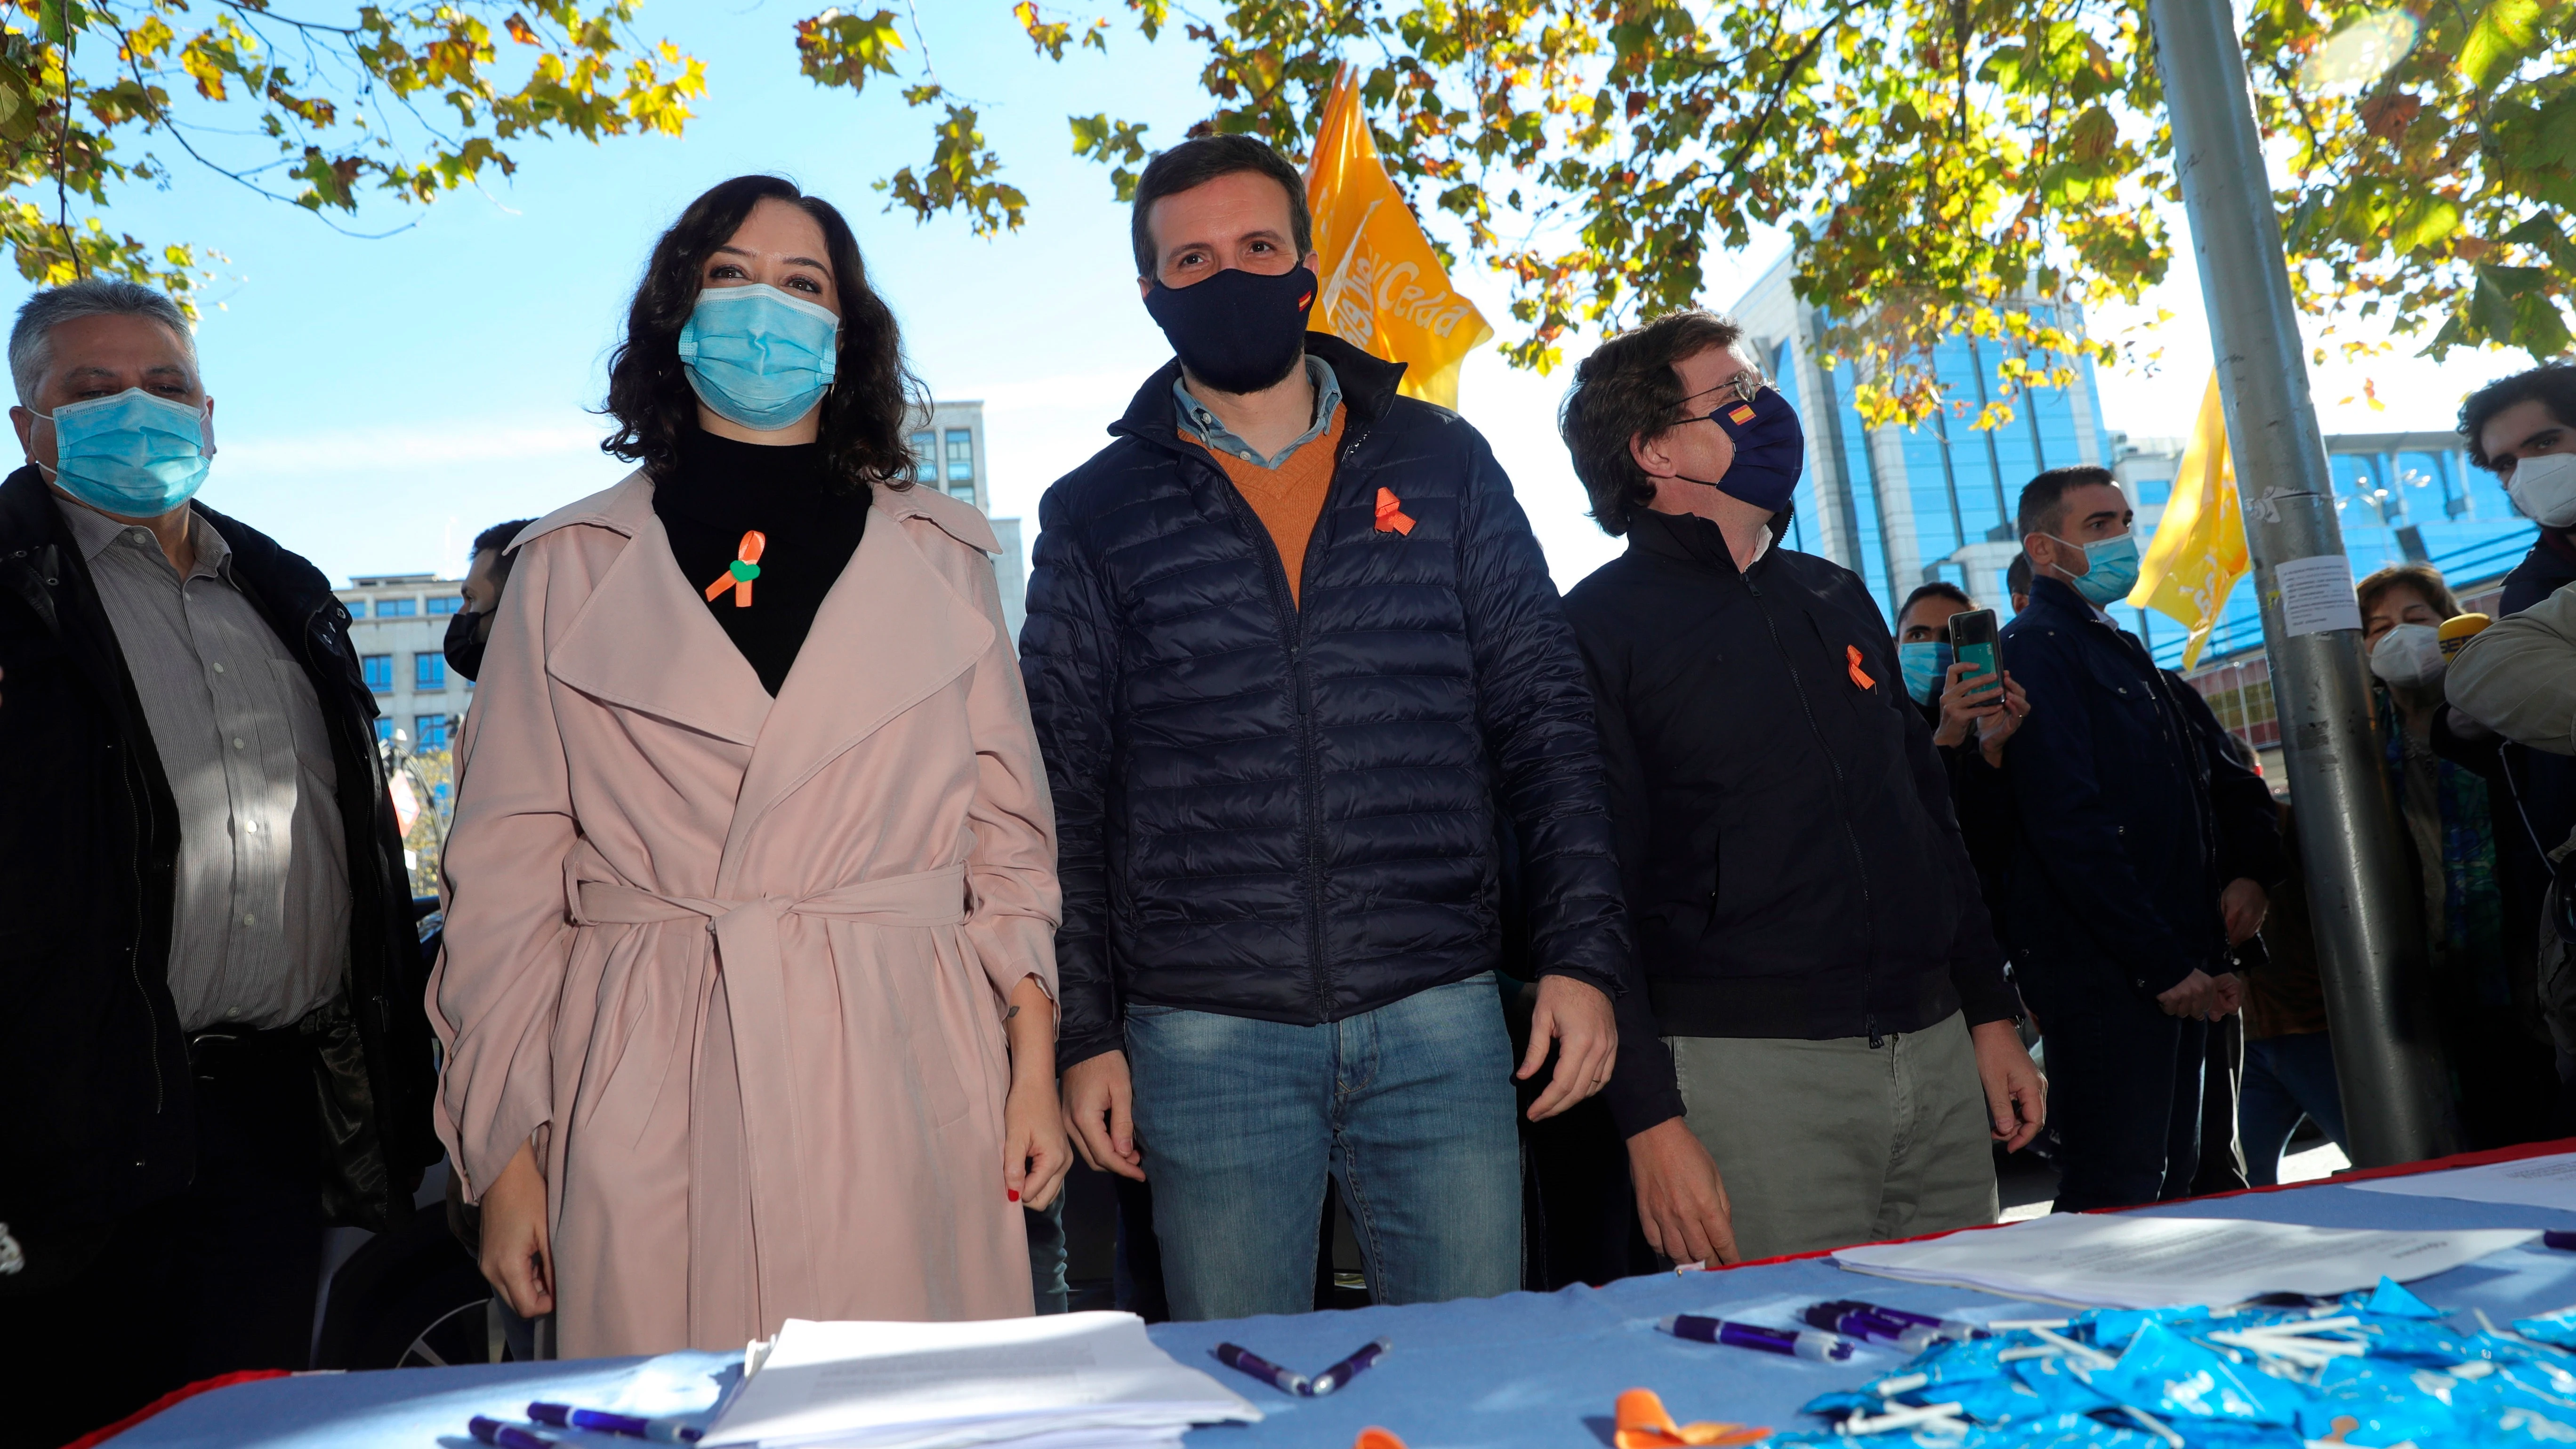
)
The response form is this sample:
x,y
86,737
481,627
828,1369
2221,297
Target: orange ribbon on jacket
x,y
1645,1424
1852,653
739,574
1391,517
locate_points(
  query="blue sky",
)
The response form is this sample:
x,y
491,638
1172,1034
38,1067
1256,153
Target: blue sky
x,y
380,401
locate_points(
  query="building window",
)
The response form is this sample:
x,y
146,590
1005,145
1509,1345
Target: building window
x,y
379,669
428,671
925,458
397,608
961,456
384,731
446,604
429,732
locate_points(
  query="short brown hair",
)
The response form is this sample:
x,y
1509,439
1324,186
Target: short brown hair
x,y
1202,159
1628,389
2423,578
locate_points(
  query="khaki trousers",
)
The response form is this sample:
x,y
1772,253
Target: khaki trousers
x,y
1824,1144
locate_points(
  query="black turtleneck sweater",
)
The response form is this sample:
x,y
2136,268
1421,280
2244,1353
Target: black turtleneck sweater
x,y
720,490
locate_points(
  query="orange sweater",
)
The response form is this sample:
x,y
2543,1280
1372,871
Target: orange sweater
x,y
1289,498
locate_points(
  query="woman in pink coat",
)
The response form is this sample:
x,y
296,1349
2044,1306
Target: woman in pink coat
x,y
748,992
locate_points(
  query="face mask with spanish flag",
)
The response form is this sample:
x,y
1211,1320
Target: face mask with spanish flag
x,y
1770,449
1237,331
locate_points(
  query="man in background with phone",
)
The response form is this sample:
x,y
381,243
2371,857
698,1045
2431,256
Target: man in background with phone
x,y
2133,871
1827,1049
1952,658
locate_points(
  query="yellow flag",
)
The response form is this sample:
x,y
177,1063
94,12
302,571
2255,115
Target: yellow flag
x,y
1384,290
2198,552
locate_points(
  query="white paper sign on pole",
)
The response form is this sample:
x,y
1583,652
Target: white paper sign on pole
x,y
2316,594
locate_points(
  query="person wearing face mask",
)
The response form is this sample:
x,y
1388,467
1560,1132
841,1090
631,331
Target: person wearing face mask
x,y
2502,1069
212,1046
1297,665
2136,871
1972,716
487,573
1826,1047
747,987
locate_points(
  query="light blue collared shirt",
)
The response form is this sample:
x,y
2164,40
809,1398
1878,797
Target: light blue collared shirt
x,y
1197,420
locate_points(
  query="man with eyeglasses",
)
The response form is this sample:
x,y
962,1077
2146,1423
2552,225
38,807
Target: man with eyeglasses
x,y
1828,1045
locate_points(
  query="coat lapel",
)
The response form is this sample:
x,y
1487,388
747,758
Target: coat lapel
x,y
645,642
891,633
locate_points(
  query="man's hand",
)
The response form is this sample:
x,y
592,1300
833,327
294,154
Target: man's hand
x,y
2190,997
1100,1114
2016,1094
1680,1199
2243,905
517,1260
2226,994
1576,1016
2000,725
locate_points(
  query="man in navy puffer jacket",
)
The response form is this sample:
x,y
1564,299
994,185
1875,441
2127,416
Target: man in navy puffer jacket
x,y
1295,662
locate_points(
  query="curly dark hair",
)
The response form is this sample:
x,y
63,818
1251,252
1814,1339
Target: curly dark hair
x,y
873,393
2552,385
1627,389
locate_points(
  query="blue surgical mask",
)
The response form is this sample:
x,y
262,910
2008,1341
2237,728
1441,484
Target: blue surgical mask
x,y
2110,569
134,455
1926,666
758,356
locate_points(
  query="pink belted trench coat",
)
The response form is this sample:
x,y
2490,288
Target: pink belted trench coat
x,y
737,966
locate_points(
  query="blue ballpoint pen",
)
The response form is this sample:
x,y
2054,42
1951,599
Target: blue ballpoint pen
x,y
506,1436
1244,1360
1349,1368
1827,1347
601,1421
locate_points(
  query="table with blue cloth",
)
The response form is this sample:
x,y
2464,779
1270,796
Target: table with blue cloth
x,y
1524,1369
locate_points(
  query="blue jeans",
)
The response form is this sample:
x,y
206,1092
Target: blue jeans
x,y
2286,1078
1409,1107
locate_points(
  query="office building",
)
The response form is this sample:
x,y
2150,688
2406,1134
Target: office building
x,y
1903,506
948,453
399,624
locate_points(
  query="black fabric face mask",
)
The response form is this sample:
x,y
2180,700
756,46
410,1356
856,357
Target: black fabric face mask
x,y
1237,331
464,648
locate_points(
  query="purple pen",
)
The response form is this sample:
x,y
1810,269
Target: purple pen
x,y
1244,1360
601,1421
1824,1347
1349,1368
506,1436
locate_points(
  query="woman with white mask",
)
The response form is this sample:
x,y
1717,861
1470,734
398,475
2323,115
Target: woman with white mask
x,y
748,988
2451,821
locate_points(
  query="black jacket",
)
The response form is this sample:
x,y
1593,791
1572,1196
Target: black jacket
x,y
96,1116
1792,865
2133,812
1292,813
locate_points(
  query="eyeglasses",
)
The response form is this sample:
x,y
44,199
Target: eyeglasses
x,y
1746,385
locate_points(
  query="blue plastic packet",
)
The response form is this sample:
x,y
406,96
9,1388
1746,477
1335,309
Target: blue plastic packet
x,y
2362,1401
2058,1431
2114,1327
2556,1329
1946,1363
2164,1373
2411,1341
2391,1300
2058,1386
1841,1404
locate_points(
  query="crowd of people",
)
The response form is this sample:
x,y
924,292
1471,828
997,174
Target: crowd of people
x,y
802,927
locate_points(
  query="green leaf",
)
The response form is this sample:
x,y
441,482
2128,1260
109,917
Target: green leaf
x,y
2500,39
2426,219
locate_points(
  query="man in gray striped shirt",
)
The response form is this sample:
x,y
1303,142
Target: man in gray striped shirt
x,y
210,1026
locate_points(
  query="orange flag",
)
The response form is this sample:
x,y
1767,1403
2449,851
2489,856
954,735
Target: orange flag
x,y
1385,291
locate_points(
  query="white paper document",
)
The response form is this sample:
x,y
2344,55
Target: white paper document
x,y
2545,1182
2316,594
2123,1261
1058,1382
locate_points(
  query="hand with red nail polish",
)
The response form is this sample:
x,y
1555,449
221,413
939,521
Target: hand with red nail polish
x,y
1035,1156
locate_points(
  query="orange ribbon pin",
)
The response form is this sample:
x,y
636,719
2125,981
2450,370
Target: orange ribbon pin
x,y
1645,1424
1390,513
739,574
1852,652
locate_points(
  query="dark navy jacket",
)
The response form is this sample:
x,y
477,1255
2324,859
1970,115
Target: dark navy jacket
x,y
2121,854
1792,865
1293,813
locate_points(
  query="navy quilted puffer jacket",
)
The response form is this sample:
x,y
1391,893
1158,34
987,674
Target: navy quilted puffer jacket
x,y
1294,814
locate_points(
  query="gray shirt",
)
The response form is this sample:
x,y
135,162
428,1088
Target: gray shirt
x,y
1199,421
260,930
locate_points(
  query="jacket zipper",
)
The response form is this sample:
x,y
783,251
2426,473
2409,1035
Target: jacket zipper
x,y
1842,814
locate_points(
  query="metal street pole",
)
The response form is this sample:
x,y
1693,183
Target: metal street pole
x,y
2370,945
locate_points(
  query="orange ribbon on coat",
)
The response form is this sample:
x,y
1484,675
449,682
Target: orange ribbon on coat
x,y
1645,1424
1390,513
1852,653
739,574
